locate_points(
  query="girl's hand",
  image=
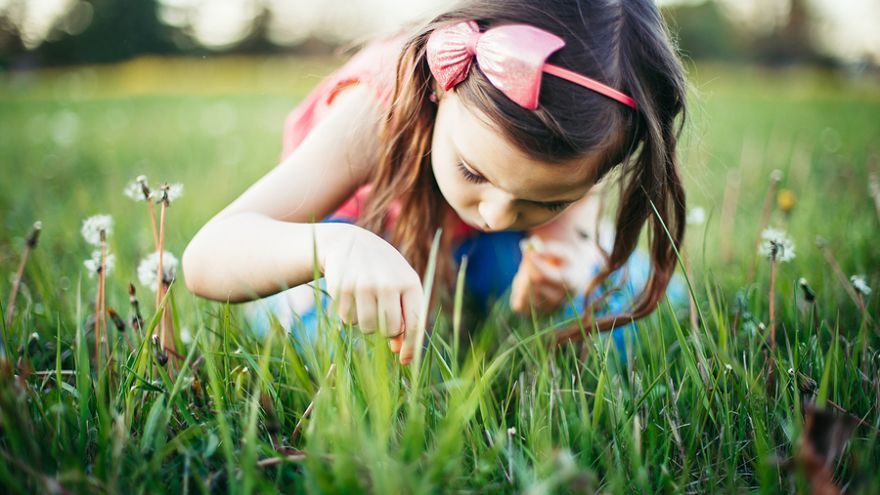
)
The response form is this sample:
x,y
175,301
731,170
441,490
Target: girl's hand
x,y
541,281
374,286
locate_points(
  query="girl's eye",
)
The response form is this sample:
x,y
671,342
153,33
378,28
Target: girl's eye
x,y
555,207
470,176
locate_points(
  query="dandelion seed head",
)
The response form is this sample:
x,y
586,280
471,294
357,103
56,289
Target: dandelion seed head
x,y
134,191
696,216
167,193
776,175
860,285
93,264
175,191
148,269
777,245
94,225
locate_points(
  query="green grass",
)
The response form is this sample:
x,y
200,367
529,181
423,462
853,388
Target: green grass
x,y
689,411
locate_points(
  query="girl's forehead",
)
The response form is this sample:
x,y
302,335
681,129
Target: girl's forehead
x,y
483,148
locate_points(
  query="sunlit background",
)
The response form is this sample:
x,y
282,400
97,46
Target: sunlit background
x,y
71,31
782,132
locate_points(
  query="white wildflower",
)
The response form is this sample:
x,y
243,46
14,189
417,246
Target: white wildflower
x,y
167,192
138,189
148,268
93,264
777,175
860,285
696,216
777,245
93,226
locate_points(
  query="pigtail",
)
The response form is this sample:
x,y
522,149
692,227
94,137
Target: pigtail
x,y
651,72
404,173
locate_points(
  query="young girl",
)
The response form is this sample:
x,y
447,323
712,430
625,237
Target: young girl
x,y
495,121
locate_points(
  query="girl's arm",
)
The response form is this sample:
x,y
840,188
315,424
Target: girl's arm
x,y
262,242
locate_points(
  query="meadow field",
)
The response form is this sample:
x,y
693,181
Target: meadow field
x,y
702,404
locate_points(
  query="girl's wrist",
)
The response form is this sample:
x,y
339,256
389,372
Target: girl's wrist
x,y
332,237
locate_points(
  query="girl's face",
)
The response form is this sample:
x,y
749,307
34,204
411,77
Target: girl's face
x,y
492,185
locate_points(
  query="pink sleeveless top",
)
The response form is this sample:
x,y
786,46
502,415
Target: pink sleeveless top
x,y
376,66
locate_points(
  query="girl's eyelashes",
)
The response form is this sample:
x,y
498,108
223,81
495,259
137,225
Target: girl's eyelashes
x,y
479,179
555,207
470,176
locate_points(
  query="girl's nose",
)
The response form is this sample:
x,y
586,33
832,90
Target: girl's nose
x,y
498,213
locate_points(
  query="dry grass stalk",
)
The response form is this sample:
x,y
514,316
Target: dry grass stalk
x,y
30,243
842,278
308,411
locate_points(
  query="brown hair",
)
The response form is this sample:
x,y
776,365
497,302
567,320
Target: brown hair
x,y
622,43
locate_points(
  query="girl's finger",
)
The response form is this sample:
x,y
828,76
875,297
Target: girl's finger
x,y
389,314
366,310
543,270
519,293
345,307
412,310
395,343
548,298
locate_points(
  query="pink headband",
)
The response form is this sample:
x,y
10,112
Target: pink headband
x,y
512,57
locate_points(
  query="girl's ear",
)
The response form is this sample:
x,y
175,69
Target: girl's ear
x,y
437,92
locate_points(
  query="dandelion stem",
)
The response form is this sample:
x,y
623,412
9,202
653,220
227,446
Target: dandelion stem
x,y
153,225
160,276
772,304
30,244
103,236
104,294
771,362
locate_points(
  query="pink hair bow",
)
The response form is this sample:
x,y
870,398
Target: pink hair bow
x,y
512,57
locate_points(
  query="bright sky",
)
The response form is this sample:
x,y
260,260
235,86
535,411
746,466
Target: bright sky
x,y
848,27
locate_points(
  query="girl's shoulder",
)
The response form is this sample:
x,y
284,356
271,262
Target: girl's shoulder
x,y
374,66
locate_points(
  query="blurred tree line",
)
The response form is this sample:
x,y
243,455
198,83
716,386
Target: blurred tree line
x,y
100,31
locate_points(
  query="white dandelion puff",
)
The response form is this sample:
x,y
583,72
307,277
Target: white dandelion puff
x,y
860,285
93,264
139,189
776,245
777,175
168,193
696,216
149,266
94,225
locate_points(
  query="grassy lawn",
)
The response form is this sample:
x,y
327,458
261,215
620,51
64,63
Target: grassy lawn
x,y
691,410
